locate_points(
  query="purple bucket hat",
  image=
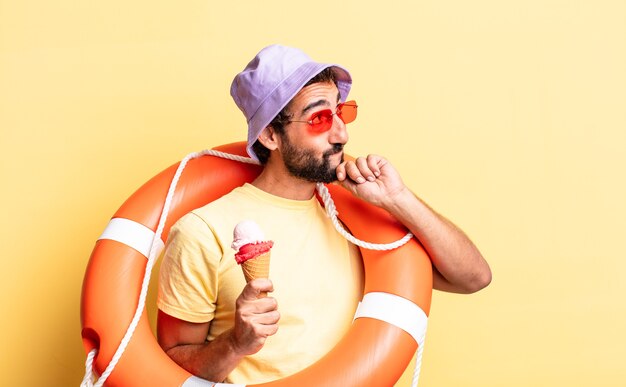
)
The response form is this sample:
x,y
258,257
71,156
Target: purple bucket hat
x,y
267,84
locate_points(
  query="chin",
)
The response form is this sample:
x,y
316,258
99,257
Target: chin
x,y
339,156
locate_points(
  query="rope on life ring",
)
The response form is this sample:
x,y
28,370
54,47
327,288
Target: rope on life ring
x,y
381,306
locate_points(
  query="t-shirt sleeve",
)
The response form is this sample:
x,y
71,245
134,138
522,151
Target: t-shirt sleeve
x,y
188,275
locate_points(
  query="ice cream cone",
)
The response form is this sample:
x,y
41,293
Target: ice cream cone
x,y
258,267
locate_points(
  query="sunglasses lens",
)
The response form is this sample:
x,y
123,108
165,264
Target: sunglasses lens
x,y
322,121
348,112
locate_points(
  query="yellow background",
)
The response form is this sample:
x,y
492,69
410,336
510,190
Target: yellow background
x,y
509,117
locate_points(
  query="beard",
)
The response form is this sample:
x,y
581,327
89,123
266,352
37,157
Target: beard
x,y
302,163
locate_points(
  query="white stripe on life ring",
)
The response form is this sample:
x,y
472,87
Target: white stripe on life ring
x,y
394,310
194,381
132,234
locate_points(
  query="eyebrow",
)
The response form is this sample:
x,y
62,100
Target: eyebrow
x,y
321,102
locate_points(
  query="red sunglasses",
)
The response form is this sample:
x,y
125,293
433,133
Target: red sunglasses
x,y
322,120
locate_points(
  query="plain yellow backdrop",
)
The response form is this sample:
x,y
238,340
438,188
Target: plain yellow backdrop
x,y
509,117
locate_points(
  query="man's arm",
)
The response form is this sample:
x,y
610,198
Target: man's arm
x,y
458,265
185,342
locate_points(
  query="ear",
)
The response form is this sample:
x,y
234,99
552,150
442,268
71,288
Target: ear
x,y
269,138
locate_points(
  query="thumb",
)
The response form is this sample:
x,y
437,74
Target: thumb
x,y
255,287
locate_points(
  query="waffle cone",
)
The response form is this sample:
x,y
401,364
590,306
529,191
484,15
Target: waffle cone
x,y
258,267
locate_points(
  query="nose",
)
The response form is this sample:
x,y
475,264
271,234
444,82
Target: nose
x,y
338,132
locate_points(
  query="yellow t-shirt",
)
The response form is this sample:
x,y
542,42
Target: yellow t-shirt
x,y
317,277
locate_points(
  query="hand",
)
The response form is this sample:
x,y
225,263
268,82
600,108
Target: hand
x,y
255,318
372,179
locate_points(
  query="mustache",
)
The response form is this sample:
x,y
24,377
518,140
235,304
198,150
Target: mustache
x,y
336,148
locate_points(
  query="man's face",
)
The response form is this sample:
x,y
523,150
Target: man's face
x,y
313,156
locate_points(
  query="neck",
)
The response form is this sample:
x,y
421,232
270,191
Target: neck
x,y
276,180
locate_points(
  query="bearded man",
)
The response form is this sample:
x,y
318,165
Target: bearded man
x,y
210,321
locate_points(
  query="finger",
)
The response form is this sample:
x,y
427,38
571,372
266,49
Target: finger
x,y
268,318
252,310
253,288
364,168
263,285
375,162
262,327
265,305
341,171
267,330
353,172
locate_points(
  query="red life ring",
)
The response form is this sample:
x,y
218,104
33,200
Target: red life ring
x,y
374,352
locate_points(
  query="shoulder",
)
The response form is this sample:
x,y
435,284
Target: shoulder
x,y
201,218
209,226
221,205
188,225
